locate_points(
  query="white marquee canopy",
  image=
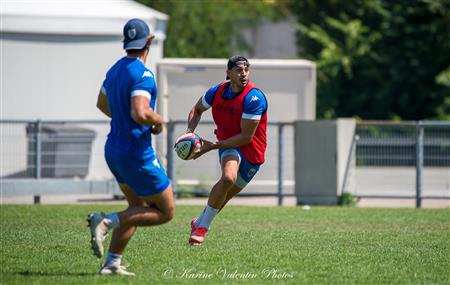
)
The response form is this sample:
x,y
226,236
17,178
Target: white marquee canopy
x,y
70,17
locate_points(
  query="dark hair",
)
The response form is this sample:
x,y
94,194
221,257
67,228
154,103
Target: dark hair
x,y
236,60
135,50
138,51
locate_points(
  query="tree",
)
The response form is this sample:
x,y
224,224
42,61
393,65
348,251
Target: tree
x,y
210,29
378,59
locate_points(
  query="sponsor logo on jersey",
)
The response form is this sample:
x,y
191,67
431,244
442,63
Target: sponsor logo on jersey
x,y
227,110
147,74
254,98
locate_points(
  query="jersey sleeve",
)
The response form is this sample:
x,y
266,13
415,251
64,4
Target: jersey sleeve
x,y
255,104
144,85
208,98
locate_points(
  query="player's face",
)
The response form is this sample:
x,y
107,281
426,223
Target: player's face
x,y
239,75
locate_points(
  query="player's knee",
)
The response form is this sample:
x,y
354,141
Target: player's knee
x,y
228,179
168,214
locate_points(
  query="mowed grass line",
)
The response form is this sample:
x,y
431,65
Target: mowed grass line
x,y
247,245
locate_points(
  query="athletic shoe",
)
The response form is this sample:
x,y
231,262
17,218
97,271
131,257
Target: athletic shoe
x,y
114,270
198,236
193,226
99,230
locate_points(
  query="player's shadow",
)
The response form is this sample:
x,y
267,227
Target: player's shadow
x,y
31,273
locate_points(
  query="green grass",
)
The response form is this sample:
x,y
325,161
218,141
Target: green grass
x,y
251,245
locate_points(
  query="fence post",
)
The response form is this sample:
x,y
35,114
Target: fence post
x,y
170,160
419,163
280,164
349,160
37,156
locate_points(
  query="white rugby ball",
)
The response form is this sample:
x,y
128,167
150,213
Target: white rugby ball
x,y
187,145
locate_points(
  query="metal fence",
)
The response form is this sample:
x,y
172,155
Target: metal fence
x,y
394,144
71,152
275,178
393,160
403,160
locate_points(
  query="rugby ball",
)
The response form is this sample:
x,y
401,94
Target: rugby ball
x,y
187,145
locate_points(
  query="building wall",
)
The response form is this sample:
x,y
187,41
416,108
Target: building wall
x,y
57,76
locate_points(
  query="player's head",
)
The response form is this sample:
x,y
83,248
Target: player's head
x,y
136,36
238,70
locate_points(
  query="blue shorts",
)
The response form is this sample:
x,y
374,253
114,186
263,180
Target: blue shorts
x,y
246,170
142,171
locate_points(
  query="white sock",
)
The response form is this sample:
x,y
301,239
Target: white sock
x,y
113,220
207,216
113,259
199,219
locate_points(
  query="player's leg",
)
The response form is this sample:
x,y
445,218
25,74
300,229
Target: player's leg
x,y
142,211
122,234
246,173
218,194
230,194
120,237
200,226
161,209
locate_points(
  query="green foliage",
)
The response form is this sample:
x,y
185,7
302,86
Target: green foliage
x,y
347,200
332,245
211,29
378,59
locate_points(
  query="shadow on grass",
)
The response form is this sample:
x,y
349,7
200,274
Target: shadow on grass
x,y
31,273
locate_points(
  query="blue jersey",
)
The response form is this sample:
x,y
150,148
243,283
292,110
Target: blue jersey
x,y
126,78
255,103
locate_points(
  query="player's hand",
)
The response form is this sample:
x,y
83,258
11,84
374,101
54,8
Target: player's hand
x,y
157,129
206,146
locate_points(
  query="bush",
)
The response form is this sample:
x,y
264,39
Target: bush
x,y
347,200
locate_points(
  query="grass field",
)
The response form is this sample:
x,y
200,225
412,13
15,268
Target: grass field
x,y
252,245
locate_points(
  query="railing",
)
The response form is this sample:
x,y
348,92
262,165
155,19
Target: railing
x,y
401,146
73,150
418,151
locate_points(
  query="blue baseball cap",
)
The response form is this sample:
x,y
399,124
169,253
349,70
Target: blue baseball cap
x,y
135,33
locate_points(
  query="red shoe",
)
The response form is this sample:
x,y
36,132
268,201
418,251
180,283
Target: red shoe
x,y
193,227
198,236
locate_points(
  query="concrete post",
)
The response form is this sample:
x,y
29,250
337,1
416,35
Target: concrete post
x,y
321,154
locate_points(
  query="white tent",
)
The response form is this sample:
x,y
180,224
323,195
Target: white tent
x,y
54,54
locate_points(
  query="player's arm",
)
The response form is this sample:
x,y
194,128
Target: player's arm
x,y
248,129
195,115
102,104
142,114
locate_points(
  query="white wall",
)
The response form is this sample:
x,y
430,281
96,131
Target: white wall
x,y
55,76
290,85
